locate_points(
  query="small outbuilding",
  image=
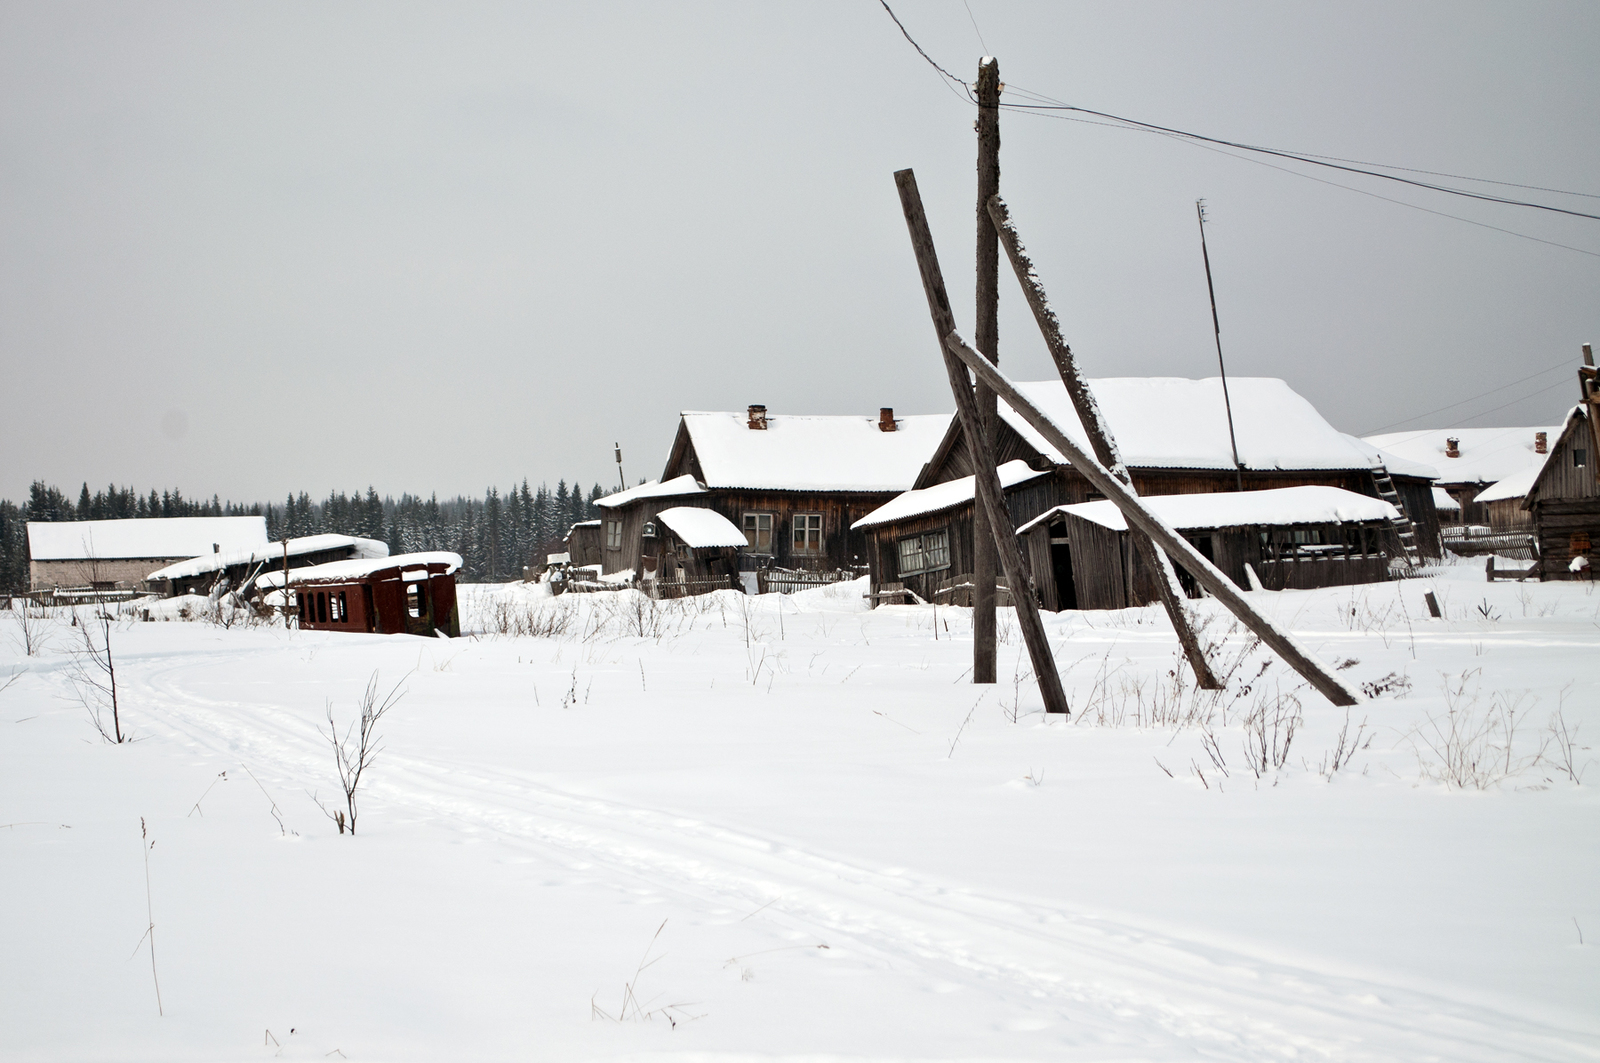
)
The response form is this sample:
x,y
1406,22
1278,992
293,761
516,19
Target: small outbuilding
x,y
408,594
690,550
1292,537
583,544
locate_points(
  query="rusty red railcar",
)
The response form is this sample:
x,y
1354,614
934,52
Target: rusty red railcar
x,y
409,594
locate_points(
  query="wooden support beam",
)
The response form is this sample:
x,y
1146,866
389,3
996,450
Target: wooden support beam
x,y
990,513
1100,437
1204,572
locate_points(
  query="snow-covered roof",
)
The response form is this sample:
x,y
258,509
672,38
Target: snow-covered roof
x,y
306,544
678,485
813,453
701,529
1443,500
586,524
940,497
359,568
1397,464
144,537
1487,454
1278,506
1176,423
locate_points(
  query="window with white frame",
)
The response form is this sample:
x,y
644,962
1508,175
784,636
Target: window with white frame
x,y
928,552
613,535
807,533
758,532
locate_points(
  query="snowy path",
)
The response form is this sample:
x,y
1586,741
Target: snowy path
x,y
1119,983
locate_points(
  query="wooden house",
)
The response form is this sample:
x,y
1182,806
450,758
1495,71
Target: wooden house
x,y
238,568
1291,537
408,594
112,554
792,485
923,538
1564,503
1473,461
1173,436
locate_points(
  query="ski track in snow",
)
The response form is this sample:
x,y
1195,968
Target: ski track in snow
x,y
1127,983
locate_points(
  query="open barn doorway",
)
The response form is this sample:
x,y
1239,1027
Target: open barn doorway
x,y
1061,566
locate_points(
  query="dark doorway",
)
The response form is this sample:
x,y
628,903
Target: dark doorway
x,y
1061,563
1191,587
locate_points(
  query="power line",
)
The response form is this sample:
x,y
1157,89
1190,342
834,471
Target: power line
x,y
1329,161
1312,160
907,35
1480,413
1043,99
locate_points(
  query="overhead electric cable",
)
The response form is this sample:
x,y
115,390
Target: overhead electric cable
x,y
907,35
1563,364
1311,160
1305,157
1480,413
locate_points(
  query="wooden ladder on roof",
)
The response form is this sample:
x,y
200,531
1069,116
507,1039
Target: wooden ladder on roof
x,y
1405,532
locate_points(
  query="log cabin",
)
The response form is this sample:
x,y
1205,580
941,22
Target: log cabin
x,y
793,485
1173,437
1564,503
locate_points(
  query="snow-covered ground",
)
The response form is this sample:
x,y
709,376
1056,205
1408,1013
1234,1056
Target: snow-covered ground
x,y
788,828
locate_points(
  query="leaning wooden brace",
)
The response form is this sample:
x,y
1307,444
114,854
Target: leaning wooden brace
x,y
1100,437
1132,507
990,505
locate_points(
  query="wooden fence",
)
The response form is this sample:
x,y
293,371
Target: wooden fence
x,y
1516,545
1306,573
787,581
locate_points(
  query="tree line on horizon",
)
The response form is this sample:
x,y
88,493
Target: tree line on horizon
x,y
495,535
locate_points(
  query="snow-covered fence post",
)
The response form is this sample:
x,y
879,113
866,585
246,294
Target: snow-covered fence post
x,y
1100,438
1133,509
990,504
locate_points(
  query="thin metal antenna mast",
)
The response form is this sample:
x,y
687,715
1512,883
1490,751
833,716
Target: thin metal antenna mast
x,y
1200,212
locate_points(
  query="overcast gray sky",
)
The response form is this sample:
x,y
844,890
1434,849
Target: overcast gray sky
x,y
253,248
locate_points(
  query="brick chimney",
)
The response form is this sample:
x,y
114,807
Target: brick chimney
x,y
1541,443
758,418
886,419
1452,447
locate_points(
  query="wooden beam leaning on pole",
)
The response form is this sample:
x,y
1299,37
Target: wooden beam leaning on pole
x,y
990,514
1100,437
1133,510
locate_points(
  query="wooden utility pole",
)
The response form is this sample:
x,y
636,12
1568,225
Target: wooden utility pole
x,y
1216,330
990,515
1134,511
1100,437
987,334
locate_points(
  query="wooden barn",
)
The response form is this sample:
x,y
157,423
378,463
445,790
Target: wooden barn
x,y
792,485
1291,537
1473,463
1564,502
111,554
408,594
238,568
1173,435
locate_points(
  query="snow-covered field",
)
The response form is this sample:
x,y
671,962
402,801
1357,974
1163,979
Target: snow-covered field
x,y
789,828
